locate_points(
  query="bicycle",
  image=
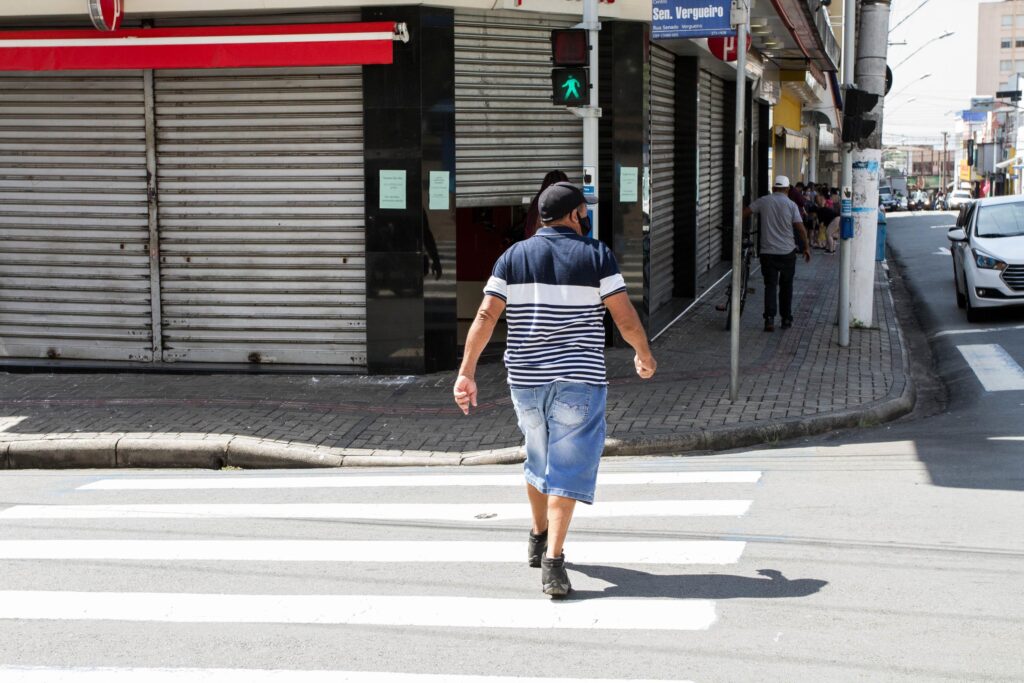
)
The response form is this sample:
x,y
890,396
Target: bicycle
x,y
746,257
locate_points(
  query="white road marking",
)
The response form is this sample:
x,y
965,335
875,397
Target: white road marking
x,y
1006,438
18,674
465,512
583,552
943,251
974,330
426,480
12,421
377,610
995,368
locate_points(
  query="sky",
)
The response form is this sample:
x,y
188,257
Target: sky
x,y
916,110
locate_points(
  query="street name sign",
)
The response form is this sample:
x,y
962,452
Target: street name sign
x,y
691,19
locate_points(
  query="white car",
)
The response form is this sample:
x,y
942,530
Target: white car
x,y
958,198
987,244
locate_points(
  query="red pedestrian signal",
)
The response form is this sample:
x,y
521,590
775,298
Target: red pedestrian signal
x,y
570,47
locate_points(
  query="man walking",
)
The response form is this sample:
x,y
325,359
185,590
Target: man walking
x,y
780,220
557,286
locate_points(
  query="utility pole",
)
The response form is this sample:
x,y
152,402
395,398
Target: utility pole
x,y
740,18
592,114
846,182
945,152
872,48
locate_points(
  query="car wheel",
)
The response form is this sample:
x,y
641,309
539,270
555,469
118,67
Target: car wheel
x,y
961,300
974,314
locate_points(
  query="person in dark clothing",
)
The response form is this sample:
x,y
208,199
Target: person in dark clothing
x,y
533,214
823,215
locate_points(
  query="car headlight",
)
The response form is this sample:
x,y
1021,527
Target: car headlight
x,y
983,260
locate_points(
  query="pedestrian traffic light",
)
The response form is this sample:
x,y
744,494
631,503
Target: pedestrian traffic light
x,y
857,103
569,86
972,156
570,55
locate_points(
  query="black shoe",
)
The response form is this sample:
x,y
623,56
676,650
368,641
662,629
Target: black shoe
x,y
553,579
536,548
787,323
769,325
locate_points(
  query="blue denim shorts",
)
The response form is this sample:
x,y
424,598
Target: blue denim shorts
x,y
564,426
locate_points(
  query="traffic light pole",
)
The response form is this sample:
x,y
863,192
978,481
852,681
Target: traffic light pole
x,y
740,17
591,114
846,214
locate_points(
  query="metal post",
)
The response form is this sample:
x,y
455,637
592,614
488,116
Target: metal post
x,y
740,17
849,44
872,49
592,113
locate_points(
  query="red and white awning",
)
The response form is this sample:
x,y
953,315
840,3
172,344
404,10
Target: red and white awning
x,y
204,47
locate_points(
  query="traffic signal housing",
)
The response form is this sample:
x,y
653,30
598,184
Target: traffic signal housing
x,y
570,77
856,105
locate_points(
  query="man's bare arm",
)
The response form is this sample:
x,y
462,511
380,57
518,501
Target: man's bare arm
x,y
632,330
480,332
806,241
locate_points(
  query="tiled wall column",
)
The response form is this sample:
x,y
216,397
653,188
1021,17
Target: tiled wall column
x,y
625,140
409,126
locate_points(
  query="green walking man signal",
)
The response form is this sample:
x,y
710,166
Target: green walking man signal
x,y
569,86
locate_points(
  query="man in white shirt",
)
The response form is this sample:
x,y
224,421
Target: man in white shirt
x,y
780,222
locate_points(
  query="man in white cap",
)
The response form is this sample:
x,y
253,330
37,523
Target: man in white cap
x,y
780,221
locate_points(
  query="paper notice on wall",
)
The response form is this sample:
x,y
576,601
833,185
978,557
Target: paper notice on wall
x,y
392,189
438,190
629,177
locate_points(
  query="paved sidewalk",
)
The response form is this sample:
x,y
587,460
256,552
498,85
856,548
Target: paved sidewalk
x,y
794,382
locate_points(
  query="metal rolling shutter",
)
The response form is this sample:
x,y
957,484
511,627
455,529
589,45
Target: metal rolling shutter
x,y
508,133
711,214
261,215
662,175
74,225
704,154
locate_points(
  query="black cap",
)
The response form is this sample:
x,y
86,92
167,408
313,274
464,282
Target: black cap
x,y
561,199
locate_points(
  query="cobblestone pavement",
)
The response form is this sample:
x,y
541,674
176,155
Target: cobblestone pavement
x,y
786,375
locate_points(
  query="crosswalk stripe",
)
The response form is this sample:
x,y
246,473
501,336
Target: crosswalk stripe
x,y
425,480
376,610
16,674
465,512
995,368
583,552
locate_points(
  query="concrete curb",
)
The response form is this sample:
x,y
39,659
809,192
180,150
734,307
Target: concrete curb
x,y
217,452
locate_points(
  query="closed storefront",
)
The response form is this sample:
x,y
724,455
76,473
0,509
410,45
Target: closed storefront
x,y
663,224
260,177
508,133
208,216
74,228
711,210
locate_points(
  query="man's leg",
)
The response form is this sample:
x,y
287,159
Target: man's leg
x,y
787,271
538,509
771,282
559,515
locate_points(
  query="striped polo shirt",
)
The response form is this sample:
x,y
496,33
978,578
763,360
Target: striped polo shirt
x,y
554,285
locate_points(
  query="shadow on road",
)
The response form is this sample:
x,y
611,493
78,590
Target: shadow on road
x,y
630,583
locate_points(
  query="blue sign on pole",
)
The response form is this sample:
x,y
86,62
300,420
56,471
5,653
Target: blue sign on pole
x,y
691,19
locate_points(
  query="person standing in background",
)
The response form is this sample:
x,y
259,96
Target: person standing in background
x,y
533,220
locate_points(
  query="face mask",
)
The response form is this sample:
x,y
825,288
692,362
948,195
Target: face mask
x,y
585,226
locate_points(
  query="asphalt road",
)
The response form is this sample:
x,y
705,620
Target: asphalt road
x,y
891,553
